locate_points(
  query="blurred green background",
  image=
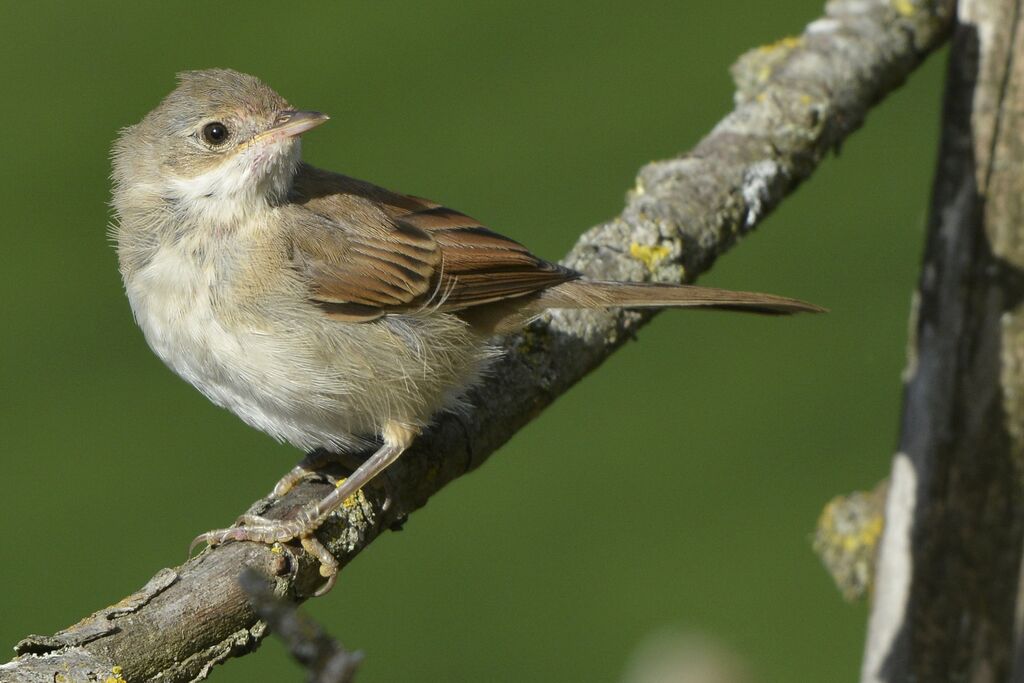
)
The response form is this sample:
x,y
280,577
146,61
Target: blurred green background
x,y
720,437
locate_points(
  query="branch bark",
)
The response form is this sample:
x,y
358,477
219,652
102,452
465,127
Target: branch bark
x,y
949,565
796,100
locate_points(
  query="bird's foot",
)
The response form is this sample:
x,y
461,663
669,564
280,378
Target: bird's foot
x,y
310,517
271,531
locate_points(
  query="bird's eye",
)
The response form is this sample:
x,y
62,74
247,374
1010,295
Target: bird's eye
x,y
215,133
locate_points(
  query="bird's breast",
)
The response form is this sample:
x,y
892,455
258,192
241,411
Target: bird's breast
x,y
173,298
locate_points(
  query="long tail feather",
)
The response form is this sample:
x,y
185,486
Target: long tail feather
x,y
602,294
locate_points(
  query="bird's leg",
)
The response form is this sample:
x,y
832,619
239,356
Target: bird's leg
x,y
312,464
397,438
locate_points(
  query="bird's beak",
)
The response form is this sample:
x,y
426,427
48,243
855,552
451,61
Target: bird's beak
x,y
290,123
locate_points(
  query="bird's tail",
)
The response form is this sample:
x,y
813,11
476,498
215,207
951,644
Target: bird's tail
x,y
603,294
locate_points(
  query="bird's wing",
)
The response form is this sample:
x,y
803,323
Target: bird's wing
x,y
372,252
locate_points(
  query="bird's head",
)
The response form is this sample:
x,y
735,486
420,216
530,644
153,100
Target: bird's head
x,y
220,145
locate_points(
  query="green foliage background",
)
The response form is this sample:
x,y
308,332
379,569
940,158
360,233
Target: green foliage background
x,y
676,488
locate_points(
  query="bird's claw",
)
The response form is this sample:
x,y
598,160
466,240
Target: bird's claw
x,y
262,530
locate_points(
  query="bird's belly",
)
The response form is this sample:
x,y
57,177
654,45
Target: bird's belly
x,y
242,370
295,380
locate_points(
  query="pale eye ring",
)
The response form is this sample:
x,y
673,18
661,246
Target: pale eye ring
x,y
215,133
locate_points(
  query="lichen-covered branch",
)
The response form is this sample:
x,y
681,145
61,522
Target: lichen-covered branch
x,y
947,601
847,537
797,100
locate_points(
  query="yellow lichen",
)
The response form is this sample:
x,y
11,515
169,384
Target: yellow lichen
x,y
847,538
787,43
117,675
352,500
650,256
904,7
865,537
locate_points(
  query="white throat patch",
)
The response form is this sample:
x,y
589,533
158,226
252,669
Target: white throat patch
x,y
259,174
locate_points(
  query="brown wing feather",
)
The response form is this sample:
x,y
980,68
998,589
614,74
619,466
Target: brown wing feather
x,y
378,252
481,266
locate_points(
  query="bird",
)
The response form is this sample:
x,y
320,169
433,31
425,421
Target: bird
x,y
324,310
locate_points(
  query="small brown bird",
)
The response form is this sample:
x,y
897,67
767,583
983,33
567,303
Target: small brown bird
x,y
321,309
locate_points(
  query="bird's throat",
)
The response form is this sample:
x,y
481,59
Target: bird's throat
x,y
239,188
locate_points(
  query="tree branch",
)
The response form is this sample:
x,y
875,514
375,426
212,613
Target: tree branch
x,y
796,100
948,570
326,661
